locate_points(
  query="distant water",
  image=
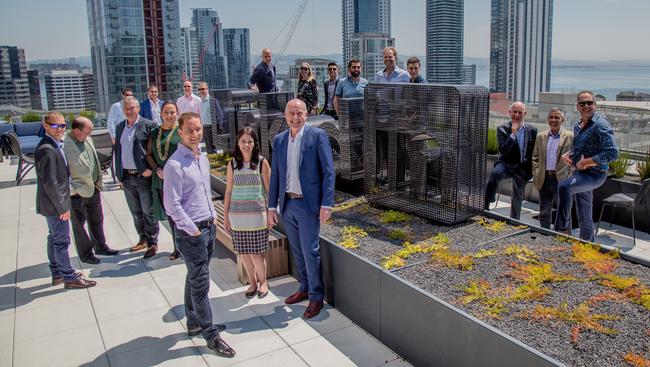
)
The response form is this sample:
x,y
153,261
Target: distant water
x,y
607,79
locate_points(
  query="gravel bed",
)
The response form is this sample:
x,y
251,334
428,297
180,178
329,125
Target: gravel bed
x,y
551,338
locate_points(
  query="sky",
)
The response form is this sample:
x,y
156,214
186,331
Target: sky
x,y
594,30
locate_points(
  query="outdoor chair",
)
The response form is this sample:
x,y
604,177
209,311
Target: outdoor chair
x,y
627,201
25,161
104,148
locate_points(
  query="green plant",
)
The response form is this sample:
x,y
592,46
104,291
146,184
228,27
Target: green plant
x,y
88,114
218,162
351,236
495,226
636,360
592,259
492,145
522,253
397,234
31,117
394,216
643,166
620,166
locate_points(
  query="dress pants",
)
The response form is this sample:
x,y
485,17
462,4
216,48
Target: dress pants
x,y
519,181
197,252
88,210
137,190
302,228
172,225
580,186
547,195
58,241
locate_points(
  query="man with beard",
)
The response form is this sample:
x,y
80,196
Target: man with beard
x,y
352,86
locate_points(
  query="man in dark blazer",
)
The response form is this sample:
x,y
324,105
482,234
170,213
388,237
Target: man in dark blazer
x,y
134,175
516,142
151,107
302,191
53,201
263,78
329,86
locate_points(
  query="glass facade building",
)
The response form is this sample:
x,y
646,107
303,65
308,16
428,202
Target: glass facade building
x,y
444,41
363,16
213,65
238,52
369,49
14,84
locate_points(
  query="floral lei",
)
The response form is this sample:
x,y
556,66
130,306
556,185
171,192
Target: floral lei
x,y
163,154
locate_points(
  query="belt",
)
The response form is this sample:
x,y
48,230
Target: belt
x,y
550,173
204,223
293,196
130,172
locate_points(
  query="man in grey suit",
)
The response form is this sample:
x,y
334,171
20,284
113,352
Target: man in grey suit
x,y
516,141
53,201
85,185
132,172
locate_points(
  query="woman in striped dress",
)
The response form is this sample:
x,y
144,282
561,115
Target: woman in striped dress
x,y
247,186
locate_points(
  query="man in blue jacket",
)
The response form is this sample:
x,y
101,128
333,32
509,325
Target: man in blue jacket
x,y
150,108
302,190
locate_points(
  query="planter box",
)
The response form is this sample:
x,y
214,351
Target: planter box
x,y
218,185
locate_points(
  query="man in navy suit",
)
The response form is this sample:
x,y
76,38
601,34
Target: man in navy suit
x,y
302,190
516,142
151,107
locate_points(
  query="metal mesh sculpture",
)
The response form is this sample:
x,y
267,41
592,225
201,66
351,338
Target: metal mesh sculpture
x,y
425,149
271,106
350,137
235,104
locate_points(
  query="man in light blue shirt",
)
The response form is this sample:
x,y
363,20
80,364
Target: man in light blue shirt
x,y
392,73
352,86
116,113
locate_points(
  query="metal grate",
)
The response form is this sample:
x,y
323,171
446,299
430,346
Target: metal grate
x,y
351,138
272,105
425,149
235,104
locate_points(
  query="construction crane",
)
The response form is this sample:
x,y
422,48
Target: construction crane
x,y
294,19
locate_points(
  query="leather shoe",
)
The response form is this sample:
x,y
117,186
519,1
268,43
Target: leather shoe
x,y
296,297
197,329
107,251
91,260
174,255
59,279
138,247
251,294
79,283
221,348
313,309
151,251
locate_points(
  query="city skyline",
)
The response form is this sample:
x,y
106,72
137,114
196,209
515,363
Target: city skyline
x,y
313,35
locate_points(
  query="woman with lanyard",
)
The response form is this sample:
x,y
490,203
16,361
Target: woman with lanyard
x,y
162,143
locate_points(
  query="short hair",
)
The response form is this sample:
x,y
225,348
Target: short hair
x,y
203,83
79,122
353,61
413,60
131,100
152,86
514,103
126,89
393,49
186,116
332,64
556,109
51,116
593,96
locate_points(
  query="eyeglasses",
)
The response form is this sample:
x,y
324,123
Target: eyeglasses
x,y
58,126
302,68
586,103
331,69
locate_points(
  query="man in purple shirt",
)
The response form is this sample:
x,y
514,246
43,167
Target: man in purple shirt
x,y
188,201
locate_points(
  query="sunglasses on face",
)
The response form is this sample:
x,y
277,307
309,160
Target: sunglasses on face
x,y
331,69
203,88
301,68
58,126
586,103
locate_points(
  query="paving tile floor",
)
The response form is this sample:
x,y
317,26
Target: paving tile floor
x,y
135,317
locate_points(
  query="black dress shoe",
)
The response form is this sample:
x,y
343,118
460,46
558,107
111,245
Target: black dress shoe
x,y
221,348
107,251
91,260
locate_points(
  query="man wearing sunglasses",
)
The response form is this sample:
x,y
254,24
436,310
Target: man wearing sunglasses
x,y
593,148
188,102
211,115
330,87
53,201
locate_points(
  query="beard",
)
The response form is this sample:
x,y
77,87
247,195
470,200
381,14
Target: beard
x,y
355,74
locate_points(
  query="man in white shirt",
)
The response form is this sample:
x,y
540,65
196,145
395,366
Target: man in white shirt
x,y
188,102
116,113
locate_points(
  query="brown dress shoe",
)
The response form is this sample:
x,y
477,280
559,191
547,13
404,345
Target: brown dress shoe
x,y
151,251
221,348
313,309
296,297
79,283
59,280
138,247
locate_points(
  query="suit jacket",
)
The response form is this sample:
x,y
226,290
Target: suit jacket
x,y
539,157
81,167
316,170
142,131
52,186
145,109
509,149
325,86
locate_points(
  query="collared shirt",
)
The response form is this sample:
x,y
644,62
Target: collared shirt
x,y
188,104
187,197
520,138
595,141
397,76
331,89
264,78
347,88
293,162
418,79
552,144
115,116
59,144
127,141
155,111
206,118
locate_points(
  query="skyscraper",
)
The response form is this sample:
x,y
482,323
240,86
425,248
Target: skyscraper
x,y
364,16
238,52
69,90
369,49
444,41
190,46
14,85
212,57
520,47
134,43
